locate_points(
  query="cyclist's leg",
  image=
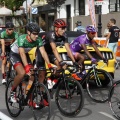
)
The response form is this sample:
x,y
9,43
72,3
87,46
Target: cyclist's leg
x,y
16,62
40,62
3,67
80,59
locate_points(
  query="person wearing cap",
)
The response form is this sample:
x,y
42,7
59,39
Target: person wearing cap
x,y
79,27
80,43
9,33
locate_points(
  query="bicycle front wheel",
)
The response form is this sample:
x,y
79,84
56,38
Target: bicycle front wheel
x,y
114,99
14,109
98,84
41,98
69,97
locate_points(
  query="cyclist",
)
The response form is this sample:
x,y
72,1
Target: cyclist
x,y
9,33
20,58
80,43
50,40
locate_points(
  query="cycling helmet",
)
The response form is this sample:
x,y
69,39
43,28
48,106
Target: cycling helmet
x,y
91,28
9,25
59,23
33,27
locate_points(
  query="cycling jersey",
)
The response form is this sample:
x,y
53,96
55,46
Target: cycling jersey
x,y
52,37
4,35
22,41
75,45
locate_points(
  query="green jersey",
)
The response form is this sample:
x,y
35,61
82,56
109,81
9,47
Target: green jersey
x,y
21,41
4,35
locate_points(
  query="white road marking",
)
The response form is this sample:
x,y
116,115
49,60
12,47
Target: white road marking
x,y
4,117
108,115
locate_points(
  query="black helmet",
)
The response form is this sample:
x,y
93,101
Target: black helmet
x,y
9,25
33,27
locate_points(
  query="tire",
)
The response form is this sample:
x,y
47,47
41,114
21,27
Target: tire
x,y
114,99
14,109
98,84
74,97
37,97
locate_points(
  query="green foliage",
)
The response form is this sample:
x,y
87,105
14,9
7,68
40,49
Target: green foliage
x,y
12,3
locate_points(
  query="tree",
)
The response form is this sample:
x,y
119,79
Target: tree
x,y
12,4
56,3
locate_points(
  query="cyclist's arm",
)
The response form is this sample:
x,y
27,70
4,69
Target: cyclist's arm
x,y
3,46
23,55
108,36
69,52
44,54
97,50
86,51
54,49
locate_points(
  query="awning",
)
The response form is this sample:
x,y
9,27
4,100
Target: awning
x,y
5,11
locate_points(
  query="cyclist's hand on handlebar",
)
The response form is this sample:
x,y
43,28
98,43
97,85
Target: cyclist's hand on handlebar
x,y
2,56
63,64
94,61
52,68
27,69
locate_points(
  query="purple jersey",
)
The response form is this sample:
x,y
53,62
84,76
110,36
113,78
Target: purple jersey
x,y
75,45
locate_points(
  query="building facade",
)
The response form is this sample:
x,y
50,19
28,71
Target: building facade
x,y
74,10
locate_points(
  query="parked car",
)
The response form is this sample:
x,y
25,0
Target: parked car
x,y
106,52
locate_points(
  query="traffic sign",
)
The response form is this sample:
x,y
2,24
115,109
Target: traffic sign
x,y
101,3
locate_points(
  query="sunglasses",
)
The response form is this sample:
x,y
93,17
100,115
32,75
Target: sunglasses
x,y
10,29
63,28
35,33
93,33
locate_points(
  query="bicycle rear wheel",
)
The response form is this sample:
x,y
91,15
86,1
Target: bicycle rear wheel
x,y
14,109
69,97
98,84
114,99
41,97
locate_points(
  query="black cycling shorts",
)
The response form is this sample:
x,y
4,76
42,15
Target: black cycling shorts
x,y
15,58
40,62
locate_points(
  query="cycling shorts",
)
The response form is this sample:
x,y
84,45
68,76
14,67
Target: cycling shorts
x,y
15,58
40,62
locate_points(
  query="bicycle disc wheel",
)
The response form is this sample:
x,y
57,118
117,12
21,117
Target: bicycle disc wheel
x,y
41,98
114,99
14,109
98,84
69,97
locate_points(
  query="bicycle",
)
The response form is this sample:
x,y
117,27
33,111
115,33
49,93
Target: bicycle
x,y
36,95
10,72
114,99
69,93
98,82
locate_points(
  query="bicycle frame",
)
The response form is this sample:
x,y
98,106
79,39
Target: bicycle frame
x,y
93,68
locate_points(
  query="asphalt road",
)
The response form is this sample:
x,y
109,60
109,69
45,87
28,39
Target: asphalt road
x,y
90,111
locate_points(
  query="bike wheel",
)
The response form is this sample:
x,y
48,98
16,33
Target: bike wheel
x,y
98,84
14,109
114,99
40,96
69,97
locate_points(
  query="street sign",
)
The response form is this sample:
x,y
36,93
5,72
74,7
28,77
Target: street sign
x,y
101,3
34,10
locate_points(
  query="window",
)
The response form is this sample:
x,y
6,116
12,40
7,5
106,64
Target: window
x,y
114,5
81,6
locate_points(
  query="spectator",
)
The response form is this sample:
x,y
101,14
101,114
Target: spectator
x,y
113,35
106,31
79,27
